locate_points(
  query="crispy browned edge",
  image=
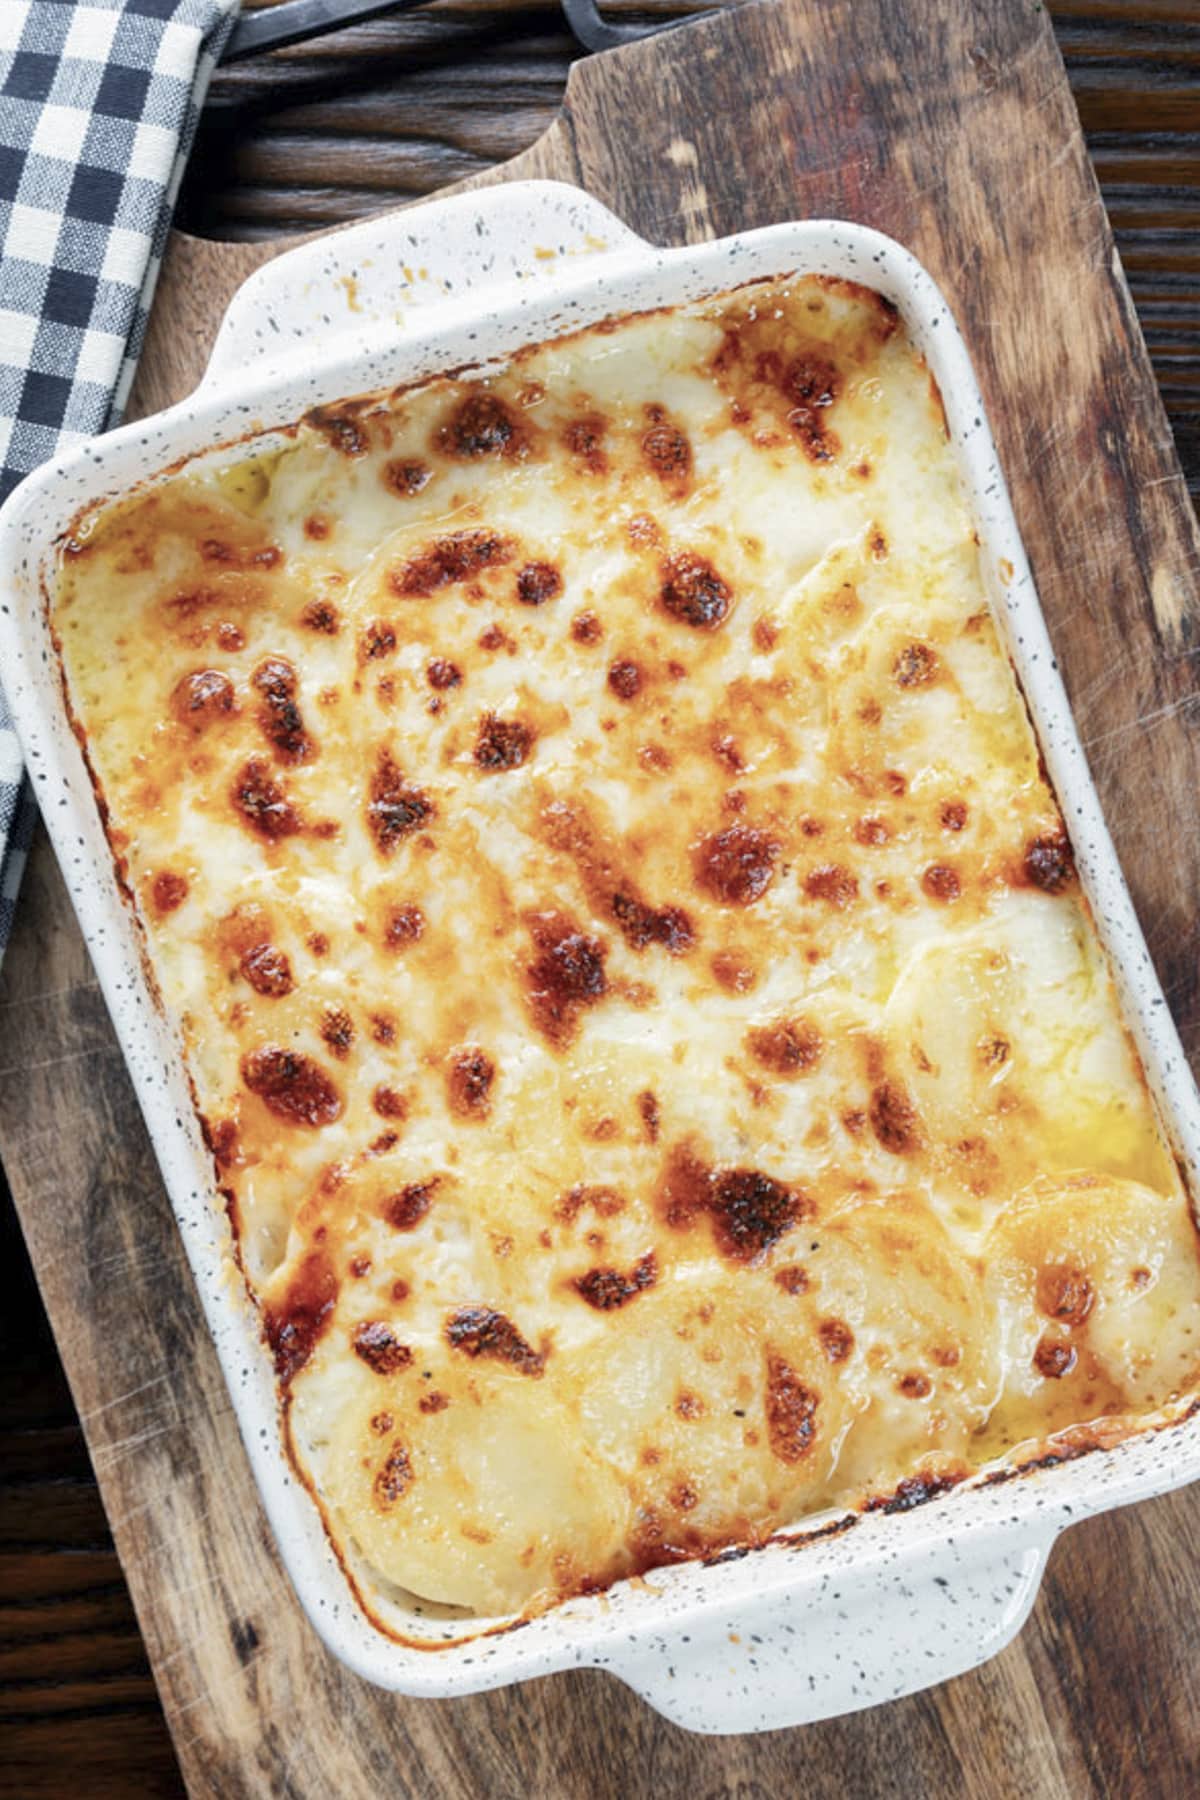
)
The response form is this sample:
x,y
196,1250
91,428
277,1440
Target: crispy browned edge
x,y
1066,1445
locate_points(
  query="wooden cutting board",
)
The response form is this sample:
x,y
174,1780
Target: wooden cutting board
x,y
949,124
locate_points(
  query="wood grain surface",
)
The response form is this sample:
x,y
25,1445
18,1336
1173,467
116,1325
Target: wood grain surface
x,y
951,124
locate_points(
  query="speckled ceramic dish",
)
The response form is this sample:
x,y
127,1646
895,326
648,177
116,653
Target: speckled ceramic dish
x,y
852,1609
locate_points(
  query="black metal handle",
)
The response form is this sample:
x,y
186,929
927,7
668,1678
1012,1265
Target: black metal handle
x,y
595,33
273,27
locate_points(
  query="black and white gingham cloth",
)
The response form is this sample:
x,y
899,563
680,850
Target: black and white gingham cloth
x,y
98,107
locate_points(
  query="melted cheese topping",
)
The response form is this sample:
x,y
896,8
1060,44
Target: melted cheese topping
x,y
631,965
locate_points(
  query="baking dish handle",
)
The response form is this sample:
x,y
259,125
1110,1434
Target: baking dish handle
x,y
380,272
865,1637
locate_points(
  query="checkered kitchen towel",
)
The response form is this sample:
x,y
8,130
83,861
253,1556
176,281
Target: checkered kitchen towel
x,y
98,106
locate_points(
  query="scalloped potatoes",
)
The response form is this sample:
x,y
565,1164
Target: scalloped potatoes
x,y
662,1070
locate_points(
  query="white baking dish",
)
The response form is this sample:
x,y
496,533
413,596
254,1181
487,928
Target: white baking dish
x,y
817,1623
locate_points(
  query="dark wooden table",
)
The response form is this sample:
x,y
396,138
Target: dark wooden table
x,y
390,111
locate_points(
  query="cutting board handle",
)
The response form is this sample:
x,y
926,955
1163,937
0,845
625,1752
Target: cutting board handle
x,y
379,272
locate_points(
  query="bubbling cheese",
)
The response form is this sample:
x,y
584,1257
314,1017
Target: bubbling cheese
x,y
662,1069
